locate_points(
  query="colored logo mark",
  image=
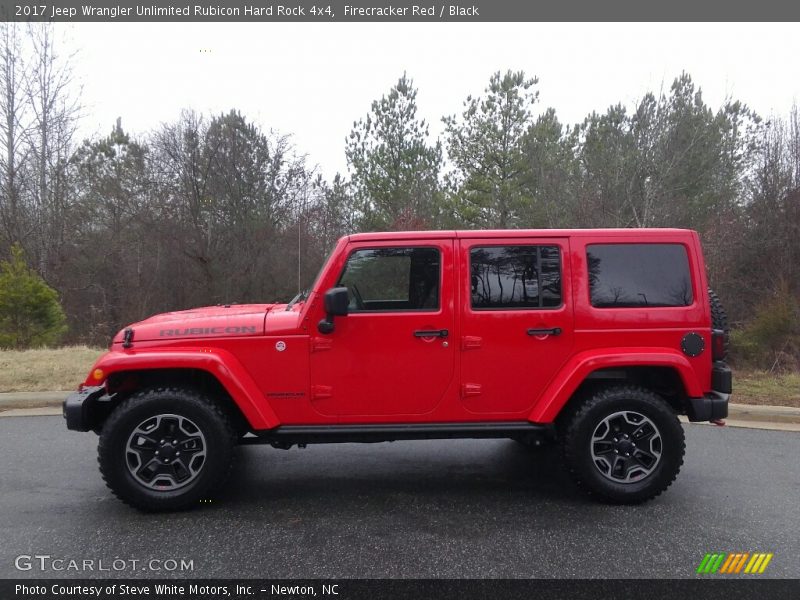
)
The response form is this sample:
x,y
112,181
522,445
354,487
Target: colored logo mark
x,y
734,562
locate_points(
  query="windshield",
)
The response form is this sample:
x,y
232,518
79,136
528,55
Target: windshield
x,y
302,295
321,268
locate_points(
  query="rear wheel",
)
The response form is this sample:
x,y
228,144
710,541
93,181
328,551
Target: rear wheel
x,y
165,449
624,444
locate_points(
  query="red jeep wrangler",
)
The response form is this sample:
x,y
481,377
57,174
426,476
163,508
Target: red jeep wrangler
x,y
596,339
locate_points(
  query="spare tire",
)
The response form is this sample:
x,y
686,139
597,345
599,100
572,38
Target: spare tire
x,y
719,318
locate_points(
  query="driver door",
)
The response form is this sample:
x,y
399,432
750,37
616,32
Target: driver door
x,y
391,357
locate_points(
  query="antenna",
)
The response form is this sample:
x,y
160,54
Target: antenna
x,y
300,215
299,222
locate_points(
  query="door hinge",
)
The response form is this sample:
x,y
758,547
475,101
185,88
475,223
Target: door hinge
x,y
471,342
318,392
318,344
470,389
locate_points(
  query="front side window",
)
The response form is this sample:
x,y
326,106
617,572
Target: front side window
x,y
638,275
389,279
510,277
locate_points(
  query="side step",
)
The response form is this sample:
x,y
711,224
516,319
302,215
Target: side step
x,y
287,435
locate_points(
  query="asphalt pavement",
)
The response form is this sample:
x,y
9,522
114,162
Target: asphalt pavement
x,y
451,509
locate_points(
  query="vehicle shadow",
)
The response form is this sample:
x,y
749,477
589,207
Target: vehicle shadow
x,y
431,470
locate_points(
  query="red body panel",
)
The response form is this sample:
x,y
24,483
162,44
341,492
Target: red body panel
x,y
280,369
581,365
208,321
372,366
504,371
220,363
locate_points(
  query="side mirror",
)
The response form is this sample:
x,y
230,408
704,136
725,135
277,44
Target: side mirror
x,y
336,301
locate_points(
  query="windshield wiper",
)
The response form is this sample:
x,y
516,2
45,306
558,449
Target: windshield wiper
x,y
298,298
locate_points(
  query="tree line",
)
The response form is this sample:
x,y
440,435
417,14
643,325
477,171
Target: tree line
x,y
214,208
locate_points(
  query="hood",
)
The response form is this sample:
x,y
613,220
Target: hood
x,y
209,321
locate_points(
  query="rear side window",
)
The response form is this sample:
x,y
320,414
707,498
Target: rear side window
x,y
515,277
638,275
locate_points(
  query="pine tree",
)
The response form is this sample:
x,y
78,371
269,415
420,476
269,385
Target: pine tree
x,y
30,313
395,170
486,146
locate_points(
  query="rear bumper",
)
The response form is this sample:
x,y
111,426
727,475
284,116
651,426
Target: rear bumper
x,y
79,407
714,405
711,407
721,378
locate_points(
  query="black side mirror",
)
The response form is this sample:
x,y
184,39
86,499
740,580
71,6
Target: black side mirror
x,y
336,301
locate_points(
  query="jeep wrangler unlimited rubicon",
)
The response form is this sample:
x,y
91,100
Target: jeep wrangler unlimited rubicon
x,y
595,339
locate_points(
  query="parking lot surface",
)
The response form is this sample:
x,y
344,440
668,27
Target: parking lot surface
x,y
464,508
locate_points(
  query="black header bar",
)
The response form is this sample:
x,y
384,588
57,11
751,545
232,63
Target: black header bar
x,y
420,11
707,588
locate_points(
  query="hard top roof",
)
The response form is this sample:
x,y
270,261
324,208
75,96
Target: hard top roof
x,y
515,233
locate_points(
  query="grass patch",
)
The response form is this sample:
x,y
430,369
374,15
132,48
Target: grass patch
x,y
45,369
760,387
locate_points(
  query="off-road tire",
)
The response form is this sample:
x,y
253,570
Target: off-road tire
x,y
719,318
575,440
214,424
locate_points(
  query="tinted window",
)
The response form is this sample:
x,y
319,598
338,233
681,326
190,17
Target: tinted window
x,y
633,275
515,277
392,279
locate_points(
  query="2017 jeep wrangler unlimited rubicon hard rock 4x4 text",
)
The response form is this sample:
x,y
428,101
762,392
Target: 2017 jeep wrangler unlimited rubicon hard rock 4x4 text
x,y
595,339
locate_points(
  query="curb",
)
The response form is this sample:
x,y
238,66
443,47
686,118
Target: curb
x,y
23,400
738,414
772,414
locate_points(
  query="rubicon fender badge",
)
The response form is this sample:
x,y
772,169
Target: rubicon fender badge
x,y
280,346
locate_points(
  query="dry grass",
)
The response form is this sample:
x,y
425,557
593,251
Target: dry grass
x,y
46,369
758,387
64,368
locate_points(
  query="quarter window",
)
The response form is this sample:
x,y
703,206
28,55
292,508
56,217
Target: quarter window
x,y
638,275
512,277
392,279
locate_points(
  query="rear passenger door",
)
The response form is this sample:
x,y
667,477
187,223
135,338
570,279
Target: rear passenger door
x,y
517,325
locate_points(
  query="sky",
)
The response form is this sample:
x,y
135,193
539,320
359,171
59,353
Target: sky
x,y
313,81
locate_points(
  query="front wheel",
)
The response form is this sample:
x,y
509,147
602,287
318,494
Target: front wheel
x,y
624,444
165,449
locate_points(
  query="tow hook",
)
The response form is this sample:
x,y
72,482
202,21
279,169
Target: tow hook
x,y
718,422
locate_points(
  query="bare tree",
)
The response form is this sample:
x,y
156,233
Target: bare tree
x,y
52,96
13,125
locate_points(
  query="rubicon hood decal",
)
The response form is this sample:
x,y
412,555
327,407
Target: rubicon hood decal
x,y
229,330
213,321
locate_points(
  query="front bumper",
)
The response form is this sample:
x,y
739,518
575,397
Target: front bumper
x,y
79,408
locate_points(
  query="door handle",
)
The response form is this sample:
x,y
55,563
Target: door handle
x,y
551,331
426,333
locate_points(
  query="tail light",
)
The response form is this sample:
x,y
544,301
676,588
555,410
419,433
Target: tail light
x,y
719,342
